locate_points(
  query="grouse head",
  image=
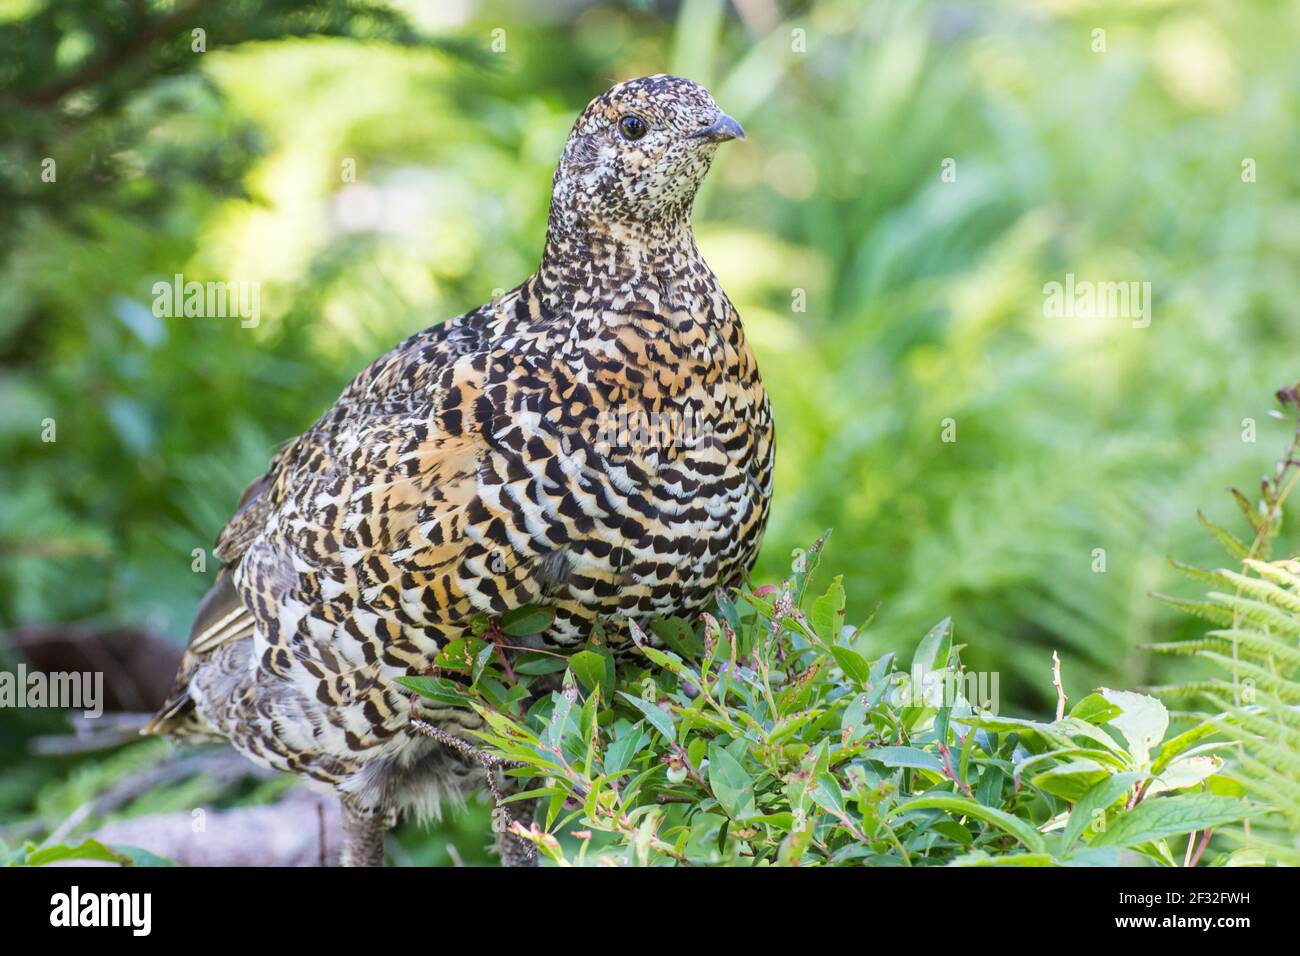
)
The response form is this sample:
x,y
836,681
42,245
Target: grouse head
x,y
636,157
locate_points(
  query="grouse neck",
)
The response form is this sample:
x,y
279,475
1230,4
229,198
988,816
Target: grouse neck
x,y
586,256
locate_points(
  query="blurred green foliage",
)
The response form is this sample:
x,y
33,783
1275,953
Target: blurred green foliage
x,y
883,298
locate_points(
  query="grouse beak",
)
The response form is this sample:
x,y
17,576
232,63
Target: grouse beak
x,y
720,130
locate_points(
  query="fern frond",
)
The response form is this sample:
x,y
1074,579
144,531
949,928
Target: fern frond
x,y
1273,787
1260,613
1204,575
1271,851
1288,691
1229,540
1278,754
1258,647
1270,719
1286,573
1214,613
1188,689
1260,644
1265,590
1186,648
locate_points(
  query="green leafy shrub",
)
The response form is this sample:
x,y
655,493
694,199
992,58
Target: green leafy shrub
x,y
762,735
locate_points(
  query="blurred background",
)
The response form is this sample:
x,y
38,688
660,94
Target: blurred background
x,y
915,173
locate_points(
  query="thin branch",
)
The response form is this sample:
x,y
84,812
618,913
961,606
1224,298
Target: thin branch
x,y
1205,841
98,69
490,762
1060,690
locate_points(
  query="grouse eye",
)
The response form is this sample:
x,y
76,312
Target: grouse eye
x,y
633,127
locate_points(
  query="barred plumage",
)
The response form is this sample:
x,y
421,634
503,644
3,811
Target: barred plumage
x,y
596,440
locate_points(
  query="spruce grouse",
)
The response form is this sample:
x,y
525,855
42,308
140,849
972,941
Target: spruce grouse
x,y
596,440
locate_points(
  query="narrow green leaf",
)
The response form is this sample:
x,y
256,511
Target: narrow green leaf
x,y
661,721
1071,780
527,620
1094,709
619,754
827,614
85,850
826,793
853,664
439,689
562,707
932,652
593,669
906,757
678,634
538,664
1170,816
962,806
